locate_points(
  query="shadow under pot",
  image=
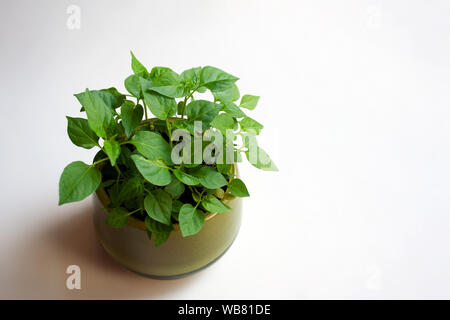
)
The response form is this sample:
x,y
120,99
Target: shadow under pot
x,y
178,256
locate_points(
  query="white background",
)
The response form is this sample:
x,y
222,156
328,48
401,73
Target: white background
x,y
356,107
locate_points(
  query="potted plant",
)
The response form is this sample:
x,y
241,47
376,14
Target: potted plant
x,y
167,190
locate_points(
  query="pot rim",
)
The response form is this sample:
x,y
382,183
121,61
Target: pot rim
x,y
139,224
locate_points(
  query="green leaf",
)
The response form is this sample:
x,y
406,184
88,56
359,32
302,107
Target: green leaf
x,y
180,107
183,124
163,76
99,114
117,218
228,95
186,178
131,116
237,188
119,97
113,193
249,102
175,188
223,122
152,146
133,86
263,160
224,168
125,158
161,232
170,91
196,197
136,66
176,206
202,110
154,171
233,110
107,183
248,124
166,82
109,96
130,189
209,177
215,79
112,149
191,220
214,205
191,77
158,205
78,180
162,107
80,133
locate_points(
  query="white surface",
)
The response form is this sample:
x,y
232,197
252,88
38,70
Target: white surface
x,y
356,107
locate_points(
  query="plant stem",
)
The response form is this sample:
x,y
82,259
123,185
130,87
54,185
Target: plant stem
x,y
134,211
199,200
118,172
184,107
190,188
147,190
195,89
169,129
187,98
100,161
145,110
195,190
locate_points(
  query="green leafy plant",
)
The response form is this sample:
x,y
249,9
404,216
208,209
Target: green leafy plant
x,y
135,164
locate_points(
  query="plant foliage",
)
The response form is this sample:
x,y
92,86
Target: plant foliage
x,y
134,164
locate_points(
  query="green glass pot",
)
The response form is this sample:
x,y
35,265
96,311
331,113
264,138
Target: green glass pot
x,y
178,256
